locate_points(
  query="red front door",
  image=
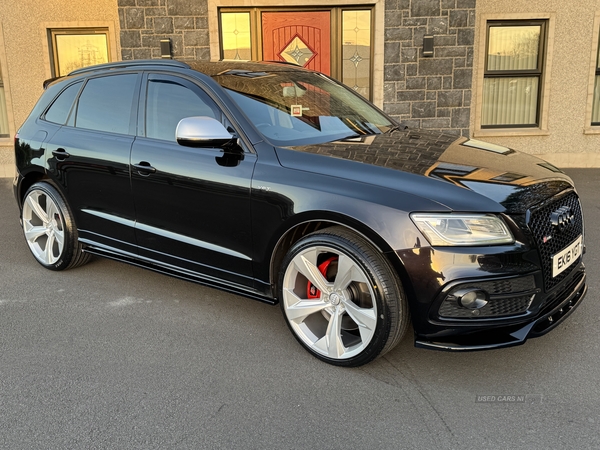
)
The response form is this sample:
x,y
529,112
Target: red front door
x,y
302,38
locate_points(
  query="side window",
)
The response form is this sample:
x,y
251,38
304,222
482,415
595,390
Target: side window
x,y
168,102
60,109
105,103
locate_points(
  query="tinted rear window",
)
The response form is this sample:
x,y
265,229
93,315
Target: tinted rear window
x,y
105,103
59,111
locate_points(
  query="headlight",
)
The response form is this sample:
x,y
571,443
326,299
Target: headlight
x,y
463,229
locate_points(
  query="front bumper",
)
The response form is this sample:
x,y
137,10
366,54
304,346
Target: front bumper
x,y
557,307
499,296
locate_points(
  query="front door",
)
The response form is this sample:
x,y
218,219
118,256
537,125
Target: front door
x,y
301,38
336,40
192,208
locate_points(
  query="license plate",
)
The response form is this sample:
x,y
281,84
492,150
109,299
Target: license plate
x,y
562,260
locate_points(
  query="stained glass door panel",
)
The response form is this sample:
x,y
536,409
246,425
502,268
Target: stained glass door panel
x,y
302,38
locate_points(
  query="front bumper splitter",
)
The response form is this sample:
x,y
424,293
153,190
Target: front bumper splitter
x,y
512,335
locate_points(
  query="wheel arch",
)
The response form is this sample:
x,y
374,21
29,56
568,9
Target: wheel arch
x,y
52,219
26,182
315,221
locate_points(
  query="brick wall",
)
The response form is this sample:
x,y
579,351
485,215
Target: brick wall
x,y
429,92
145,22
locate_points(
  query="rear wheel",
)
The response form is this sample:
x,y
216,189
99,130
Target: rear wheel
x,y
49,229
341,299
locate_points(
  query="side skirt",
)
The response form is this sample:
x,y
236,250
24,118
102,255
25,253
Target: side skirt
x,y
177,272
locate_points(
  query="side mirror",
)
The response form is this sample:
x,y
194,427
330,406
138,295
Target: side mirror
x,y
202,132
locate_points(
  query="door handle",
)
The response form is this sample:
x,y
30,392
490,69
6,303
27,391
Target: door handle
x,y
144,168
60,154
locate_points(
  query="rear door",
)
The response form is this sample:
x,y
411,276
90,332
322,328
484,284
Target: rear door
x,y
192,204
89,159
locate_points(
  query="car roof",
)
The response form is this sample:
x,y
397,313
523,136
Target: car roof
x,y
210,68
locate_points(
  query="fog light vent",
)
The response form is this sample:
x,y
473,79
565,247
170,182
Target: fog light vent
x,y
489,299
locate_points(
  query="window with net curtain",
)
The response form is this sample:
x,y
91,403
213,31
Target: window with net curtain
x,y
596,104
3,115
513,74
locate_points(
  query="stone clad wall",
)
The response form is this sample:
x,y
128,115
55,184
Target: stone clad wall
x,y
429,92
145,22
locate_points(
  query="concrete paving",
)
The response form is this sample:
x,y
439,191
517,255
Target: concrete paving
x,y
113,356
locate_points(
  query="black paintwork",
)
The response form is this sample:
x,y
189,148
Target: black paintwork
x,y
225,217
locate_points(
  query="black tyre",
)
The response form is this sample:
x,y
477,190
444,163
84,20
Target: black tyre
x,y
49,229
341,299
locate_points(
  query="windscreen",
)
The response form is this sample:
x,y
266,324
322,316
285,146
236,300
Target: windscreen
x,y
300,108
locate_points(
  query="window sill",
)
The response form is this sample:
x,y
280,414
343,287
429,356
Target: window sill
x,y
591,130
507,132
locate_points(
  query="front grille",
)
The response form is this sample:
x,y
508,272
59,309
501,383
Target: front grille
x,y
550,240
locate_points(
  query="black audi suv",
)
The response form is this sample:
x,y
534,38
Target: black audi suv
x,y
283,185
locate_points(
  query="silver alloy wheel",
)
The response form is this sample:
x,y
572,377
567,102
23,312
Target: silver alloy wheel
x,y
43,226
341,321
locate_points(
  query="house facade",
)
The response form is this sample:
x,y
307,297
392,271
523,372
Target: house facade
x,y
36,43
521,74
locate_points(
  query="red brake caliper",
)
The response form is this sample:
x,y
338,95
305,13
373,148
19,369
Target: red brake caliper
x,y
311,290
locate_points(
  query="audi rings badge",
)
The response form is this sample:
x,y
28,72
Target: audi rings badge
x,y
562,218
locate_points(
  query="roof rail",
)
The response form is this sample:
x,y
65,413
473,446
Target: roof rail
x,y
134,63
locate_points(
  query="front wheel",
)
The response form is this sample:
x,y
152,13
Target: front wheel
x,y
342,300
49,229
